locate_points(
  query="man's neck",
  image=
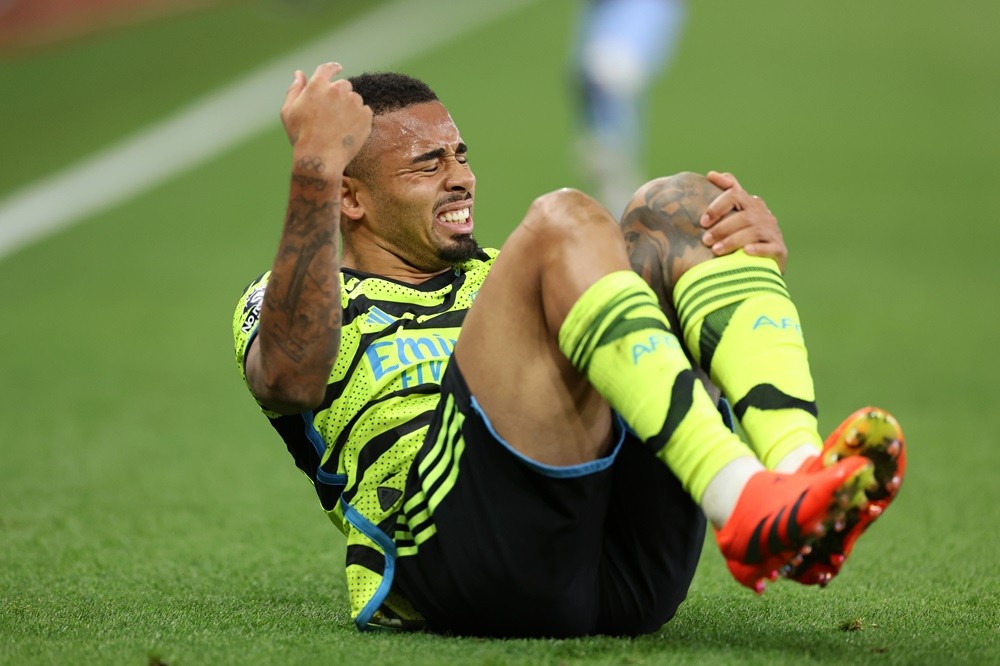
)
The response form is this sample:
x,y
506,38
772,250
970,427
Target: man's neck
x,y
397,270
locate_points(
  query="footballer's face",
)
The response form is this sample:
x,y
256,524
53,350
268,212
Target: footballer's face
x,y
418,189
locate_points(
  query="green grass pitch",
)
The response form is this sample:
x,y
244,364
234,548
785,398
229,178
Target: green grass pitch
x,y
147,512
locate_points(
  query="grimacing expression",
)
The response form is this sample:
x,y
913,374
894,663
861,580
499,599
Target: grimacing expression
x,y
417,189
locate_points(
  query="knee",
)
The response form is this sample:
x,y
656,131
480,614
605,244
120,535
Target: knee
x,y
679,198
563,206
662,223
567,214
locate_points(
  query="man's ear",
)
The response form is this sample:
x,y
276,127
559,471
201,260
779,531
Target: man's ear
x,y
350,204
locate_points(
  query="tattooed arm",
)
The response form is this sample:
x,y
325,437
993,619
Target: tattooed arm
x,y
290,361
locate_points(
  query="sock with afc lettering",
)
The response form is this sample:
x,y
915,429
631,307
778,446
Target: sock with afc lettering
x,y
742,328
617,335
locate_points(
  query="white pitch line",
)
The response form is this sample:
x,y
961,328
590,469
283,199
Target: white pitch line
x,y
381,38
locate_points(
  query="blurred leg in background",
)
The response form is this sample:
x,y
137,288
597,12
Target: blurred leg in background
x,y
621,47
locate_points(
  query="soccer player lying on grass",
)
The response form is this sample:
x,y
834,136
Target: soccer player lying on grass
x,y
548,471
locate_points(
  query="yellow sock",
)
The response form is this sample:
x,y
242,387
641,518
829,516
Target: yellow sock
x,y
743,329
617,335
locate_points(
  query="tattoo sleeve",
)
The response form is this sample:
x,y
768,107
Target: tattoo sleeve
x,y
300,322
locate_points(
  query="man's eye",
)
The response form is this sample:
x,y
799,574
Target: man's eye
x,y
430,169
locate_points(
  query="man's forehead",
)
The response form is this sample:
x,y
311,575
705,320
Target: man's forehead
x,y
414,129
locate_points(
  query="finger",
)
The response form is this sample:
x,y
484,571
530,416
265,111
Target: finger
x,y
719,207
726,227
343,85
753,242
327,71
725,180
746,235
295,89
734,198
730,245
734,184
770,250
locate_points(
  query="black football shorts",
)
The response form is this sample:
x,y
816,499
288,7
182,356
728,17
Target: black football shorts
x,y
500,545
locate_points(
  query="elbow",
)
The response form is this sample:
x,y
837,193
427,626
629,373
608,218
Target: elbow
x,y
290,394
295,400
288,386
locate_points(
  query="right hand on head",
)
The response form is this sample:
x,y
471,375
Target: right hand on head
x,y
326,117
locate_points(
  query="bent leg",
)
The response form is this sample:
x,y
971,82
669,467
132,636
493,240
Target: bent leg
x,y
663,239
652,545
536,400
662,234
582,328
737,319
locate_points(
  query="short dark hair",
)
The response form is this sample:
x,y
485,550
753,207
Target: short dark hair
x,y
385,92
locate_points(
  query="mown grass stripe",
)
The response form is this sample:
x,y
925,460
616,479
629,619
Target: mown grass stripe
x,y
211,125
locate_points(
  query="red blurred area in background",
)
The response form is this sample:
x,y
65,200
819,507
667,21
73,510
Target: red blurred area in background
x,y
31,24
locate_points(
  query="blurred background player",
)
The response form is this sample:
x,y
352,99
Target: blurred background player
x,y
621,47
